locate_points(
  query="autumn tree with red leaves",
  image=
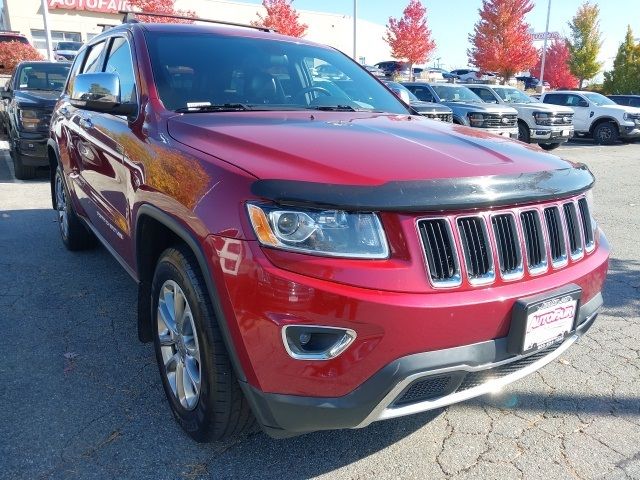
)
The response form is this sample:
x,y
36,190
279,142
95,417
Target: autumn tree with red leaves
x,y
166,7
282,17
501,39
556,66
409,37
12,53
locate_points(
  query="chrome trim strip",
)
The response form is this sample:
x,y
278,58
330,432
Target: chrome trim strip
x,y
518,273
544,264
456,279
490,276
564,259
383,412
336,350
580,251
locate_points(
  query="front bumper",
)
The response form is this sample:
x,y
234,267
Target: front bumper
x,y
630,131
443,377
503,132
559,134
33,148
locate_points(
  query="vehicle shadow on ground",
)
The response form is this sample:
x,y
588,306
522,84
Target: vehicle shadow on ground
x,y
622,288
105,412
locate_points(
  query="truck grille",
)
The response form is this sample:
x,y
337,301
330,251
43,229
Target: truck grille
x,y
561,119
554,231
496,120
443,117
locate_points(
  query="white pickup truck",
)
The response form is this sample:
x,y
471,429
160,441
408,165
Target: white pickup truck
x,y
598,116
548,125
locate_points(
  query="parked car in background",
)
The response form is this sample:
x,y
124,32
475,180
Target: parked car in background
x,y
468,108
628,100
375,71
29,97
434,111
548,125
598,116
12,36
306,261
396,68
530,83
66,51
467,75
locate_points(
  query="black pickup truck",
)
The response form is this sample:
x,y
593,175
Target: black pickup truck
x,y
28,99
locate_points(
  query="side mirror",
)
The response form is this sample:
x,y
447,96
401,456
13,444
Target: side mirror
x,y
100,92
5,92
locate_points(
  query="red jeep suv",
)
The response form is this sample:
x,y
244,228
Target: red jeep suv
x,y
310,254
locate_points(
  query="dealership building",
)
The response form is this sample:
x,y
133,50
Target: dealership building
x,y
80,20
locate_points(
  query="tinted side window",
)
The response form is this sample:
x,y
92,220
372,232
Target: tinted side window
x,y
94,58
485,95
574,101
634,101
120,63
422,93
556,98
75,69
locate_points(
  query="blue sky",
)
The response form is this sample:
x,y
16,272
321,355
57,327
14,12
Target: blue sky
x,y
451,21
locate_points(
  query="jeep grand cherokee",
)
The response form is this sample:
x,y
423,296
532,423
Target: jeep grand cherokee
x,y
314,257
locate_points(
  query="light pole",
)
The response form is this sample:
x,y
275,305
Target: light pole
x,y
47,31
544,46
355,30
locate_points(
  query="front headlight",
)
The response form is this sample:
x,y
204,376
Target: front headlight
x,y
476,119
29,119
542,118
334,233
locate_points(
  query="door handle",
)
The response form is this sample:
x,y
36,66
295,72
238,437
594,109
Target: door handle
x,y
86,123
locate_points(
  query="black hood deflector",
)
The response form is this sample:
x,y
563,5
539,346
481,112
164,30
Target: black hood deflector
x,y
443,194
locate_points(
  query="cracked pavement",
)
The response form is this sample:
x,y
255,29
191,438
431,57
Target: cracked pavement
x,y
81,397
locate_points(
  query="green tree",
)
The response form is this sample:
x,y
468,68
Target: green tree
x,y
584,42
625,76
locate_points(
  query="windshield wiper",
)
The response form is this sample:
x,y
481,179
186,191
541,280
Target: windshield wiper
x,y
221,107
334,108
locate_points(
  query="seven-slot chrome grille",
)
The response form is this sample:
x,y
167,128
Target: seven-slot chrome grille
x,y
480,246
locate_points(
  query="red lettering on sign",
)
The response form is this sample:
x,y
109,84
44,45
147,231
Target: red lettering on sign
x,y
102,6
559,313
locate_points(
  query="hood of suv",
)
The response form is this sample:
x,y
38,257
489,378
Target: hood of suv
x,y
542,107
36,98
480,107
429,107
620,109
354,148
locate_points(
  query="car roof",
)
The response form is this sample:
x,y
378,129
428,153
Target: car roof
x,y
211,28
624,95
42,62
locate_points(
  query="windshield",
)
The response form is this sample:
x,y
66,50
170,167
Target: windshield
x,y
45,76
451,93
598,99
513,95
69,46
198,72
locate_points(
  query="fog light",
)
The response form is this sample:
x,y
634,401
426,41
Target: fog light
x,y
310,342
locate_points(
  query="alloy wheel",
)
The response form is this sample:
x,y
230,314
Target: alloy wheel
x,y
178,338
61,206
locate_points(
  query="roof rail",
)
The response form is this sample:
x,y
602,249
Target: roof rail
x,y
130,17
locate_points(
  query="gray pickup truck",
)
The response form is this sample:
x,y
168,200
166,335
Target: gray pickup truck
x,y
547,125
468,108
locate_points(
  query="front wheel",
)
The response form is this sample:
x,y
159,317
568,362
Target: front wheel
x,y
549,146
74,234
606,133
197,376
523,133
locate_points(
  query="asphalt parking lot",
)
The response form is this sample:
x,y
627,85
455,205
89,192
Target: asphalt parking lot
x,y
81,397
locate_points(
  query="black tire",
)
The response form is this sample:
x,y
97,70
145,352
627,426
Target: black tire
x,y
523,132
606,133
22,171
221,411
549,146
75,235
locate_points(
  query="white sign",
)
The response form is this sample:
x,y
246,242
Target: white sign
x,y
550,35
550,322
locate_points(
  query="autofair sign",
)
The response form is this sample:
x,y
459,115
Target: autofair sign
x,y
103,6
550,35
